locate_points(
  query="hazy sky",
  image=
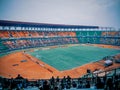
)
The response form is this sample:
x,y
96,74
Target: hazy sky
x,y
77,12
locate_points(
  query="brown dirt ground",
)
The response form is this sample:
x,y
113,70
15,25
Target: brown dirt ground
x,y
11,65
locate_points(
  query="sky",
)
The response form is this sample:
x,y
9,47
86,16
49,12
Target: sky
x,y
104,13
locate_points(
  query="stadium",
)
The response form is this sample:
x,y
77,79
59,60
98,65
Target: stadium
x,y
41,51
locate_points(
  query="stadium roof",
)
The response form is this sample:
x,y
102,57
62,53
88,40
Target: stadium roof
x,y
33,24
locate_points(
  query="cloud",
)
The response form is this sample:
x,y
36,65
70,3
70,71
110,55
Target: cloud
x,y
82,12
106,3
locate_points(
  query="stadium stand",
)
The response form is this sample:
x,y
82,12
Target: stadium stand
x,y
90,81
22,35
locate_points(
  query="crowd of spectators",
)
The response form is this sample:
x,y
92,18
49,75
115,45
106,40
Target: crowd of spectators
x,y
30,39
22,39
56,83
30,43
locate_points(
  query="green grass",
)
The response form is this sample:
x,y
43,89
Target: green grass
x,y
71,57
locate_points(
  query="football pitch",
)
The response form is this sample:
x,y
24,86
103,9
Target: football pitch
x,y
65,58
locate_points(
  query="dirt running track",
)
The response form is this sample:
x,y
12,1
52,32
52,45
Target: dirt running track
x,y
31,68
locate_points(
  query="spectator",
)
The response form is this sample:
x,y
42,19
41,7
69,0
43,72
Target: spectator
x,y
74,84
88,84
46,85
57,79
109,84
99,83
19,77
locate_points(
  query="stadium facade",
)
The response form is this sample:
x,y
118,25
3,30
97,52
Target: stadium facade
x,y
16,35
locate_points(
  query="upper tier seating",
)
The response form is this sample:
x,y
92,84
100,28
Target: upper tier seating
x,y
27,34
